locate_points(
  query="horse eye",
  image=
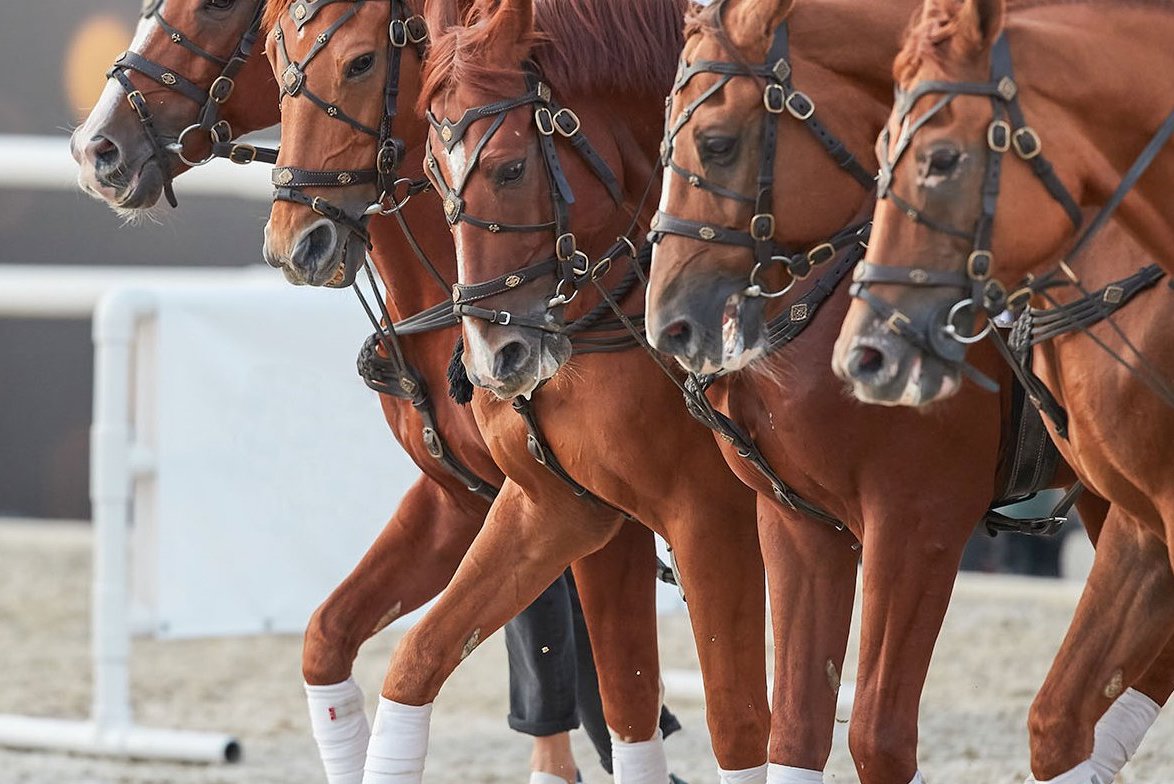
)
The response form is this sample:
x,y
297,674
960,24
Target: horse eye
x,y
221,4
717,147
943,160
511,172
360,65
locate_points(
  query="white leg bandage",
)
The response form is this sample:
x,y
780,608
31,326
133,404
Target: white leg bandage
x,y
339,721
538,777
640,763
917,779
785,774
399,743
747,776
1081,774
1120,730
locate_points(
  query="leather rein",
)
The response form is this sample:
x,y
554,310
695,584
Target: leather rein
x,y
210,100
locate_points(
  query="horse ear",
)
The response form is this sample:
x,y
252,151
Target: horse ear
x,y
749,22
971,24
986,16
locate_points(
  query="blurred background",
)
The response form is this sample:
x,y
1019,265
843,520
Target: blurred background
x,y
53,57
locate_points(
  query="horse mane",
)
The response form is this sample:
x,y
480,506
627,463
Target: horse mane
x,y
578,46
927,31
274,9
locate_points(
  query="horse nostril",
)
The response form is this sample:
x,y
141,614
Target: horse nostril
x,y
103,153
315,245
675,337
866,361
510,359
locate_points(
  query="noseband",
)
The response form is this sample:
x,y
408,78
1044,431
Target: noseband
x,y
1007,132
404,30
570,266
210,100
779,97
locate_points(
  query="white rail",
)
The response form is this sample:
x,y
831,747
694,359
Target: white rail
x,y
44,163
59,291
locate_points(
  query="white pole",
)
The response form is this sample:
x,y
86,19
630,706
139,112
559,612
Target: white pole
x,y
115,464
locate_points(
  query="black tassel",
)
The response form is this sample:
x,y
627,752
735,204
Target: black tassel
x,y
460,388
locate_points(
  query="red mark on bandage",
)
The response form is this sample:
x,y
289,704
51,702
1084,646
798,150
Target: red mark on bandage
x,y
333,715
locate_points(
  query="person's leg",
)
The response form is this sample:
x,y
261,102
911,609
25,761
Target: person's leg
x,y
540,642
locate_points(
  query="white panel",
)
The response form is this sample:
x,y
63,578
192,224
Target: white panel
x,y
275,469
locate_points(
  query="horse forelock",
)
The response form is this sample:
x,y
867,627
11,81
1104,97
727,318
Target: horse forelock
x,y
579,46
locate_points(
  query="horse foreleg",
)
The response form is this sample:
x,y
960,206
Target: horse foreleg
x,y
720,569
521,550
908,573
617,589
1122,622
1120,731
409,562
811,573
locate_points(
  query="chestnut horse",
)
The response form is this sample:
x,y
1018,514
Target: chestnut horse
x,y
171,101
980,88
336,112
128,162
822,86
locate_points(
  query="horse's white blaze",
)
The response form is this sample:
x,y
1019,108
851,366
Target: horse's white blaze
x,y
666,180
477,349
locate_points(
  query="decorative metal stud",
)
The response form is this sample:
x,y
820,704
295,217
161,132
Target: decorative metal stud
x,y
322,38
918,275
446,134
300,12
706,233
407,385
800,311
332,111
513,281
1113,294
543,91
493,227
1007,88
177,38
282,176
694,180
345,178
450,208
456,293
168,78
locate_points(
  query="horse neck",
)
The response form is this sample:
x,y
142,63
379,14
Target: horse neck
x,y
841,53
410,286
1092,85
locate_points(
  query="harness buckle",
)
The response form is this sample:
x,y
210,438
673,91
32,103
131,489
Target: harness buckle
x,y
998,136
544,120
242,153
821,254
221,89
762,227
388,159
567,122
1019,298
800,106
897,323
566,247
139,104
774,98
221,132
1027,143
321,206
398,30
978,265
417,29
502,318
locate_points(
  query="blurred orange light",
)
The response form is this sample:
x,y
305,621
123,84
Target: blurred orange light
x,y
97,41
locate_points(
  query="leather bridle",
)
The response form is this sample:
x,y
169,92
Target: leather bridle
x,y
404,30
1007,132
570,266
210,100
779,97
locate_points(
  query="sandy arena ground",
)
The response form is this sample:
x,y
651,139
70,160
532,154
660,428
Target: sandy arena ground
x,y
996,646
